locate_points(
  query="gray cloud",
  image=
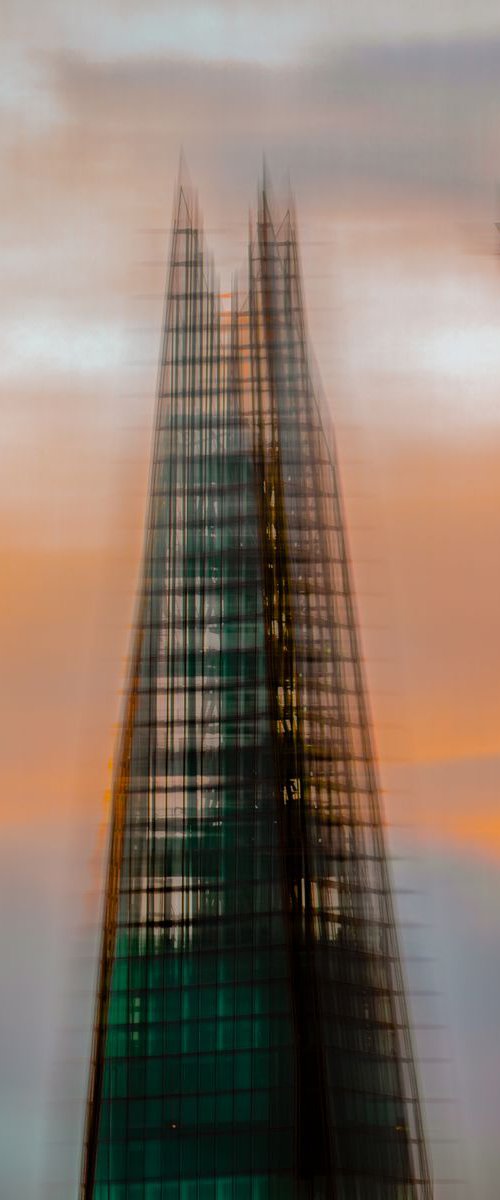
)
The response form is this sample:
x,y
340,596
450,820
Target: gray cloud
x,y
364,129
408,116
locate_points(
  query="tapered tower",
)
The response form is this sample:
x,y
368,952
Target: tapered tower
x,y
251,1036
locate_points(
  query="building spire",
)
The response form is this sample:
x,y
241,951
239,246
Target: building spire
x,y
252,1035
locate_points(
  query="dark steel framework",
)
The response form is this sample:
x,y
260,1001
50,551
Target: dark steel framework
x,y
251,1039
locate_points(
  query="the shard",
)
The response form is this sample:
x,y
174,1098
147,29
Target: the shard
x,y
251,1036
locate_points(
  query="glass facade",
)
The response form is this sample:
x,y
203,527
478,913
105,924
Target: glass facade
x,y
251,1037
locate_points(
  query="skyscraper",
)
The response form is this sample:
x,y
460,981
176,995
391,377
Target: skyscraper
x,y
251,1039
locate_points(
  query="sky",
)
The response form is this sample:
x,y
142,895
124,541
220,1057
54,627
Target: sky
x,y
383,117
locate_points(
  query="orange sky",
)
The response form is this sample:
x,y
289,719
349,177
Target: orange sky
x,y
65,614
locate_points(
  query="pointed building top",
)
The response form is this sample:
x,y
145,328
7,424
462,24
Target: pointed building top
x,y
186,204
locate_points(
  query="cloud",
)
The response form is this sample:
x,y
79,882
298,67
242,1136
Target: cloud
x,y
240,29
363,130
416,321
422,115
33,345
365,123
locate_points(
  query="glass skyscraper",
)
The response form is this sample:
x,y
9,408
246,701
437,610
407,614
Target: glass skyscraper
x,y
251,1038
